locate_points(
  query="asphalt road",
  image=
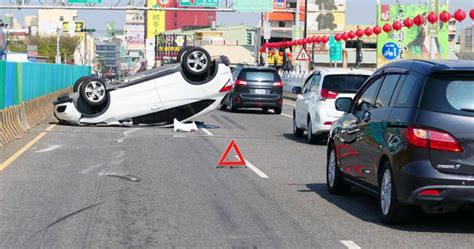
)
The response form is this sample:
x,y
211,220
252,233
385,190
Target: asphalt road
x,y
144,187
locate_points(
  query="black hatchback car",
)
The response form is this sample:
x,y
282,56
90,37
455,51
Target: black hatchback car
x,y
408,138
255,87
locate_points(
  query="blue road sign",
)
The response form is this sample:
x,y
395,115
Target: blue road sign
x,y
390,51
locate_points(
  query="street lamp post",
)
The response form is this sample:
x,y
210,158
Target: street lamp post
x,y
58,55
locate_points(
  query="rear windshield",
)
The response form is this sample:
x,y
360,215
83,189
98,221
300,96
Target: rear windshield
x,y
452,94
259,75
344,83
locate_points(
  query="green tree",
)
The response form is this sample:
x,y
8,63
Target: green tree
x,y
46,45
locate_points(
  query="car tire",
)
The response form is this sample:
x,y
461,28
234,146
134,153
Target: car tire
x,y
312,138
181,53
232,107
334,178
392,211
265,109
223,107
94,92
196,61
79,82
277,110
297,132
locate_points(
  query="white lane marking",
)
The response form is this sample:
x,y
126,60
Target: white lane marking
x,y
207,132
49,148
350,244
288,103
286,115
255,169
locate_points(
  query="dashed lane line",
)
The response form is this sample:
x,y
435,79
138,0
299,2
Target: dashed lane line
x,y
23,149
207,132
289,103
350,244
254,169
286,115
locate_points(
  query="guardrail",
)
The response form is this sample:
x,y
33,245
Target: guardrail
x,y
292,79
27,91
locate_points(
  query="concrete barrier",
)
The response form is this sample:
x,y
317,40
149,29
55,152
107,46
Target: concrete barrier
x,y
17,120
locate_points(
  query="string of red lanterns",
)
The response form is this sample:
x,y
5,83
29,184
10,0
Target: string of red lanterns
x,y
459,15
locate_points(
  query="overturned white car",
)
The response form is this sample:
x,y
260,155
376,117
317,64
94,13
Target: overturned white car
x,y
183,91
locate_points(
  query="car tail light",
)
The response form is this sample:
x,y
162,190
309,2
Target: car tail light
x,y
240,83
326,94
327,123
431,192
278,84
227,87
433,139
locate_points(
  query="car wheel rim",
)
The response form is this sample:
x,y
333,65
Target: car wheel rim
x,y
197,61
95,91
386,192
332,168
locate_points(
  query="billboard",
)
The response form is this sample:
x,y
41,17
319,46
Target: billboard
x,y
135,35
413,43
279,4
325,17
253,6
155,19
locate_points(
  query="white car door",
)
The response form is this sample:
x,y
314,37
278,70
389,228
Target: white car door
x,y
174,91
311,97
301,109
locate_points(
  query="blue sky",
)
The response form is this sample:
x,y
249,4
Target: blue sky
x,y
358,12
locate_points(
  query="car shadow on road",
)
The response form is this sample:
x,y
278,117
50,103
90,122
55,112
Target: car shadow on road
x,y
365,207
303,139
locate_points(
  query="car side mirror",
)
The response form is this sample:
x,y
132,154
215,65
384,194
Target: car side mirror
x,y
297,90
343,104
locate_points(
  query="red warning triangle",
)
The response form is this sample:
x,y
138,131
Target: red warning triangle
x,y
223,162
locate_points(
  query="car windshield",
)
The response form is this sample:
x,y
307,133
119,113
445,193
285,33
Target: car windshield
x,y
344,83
453,94
260,75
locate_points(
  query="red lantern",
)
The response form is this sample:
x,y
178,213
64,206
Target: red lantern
x,y
287,44
325,39
359,33
419,20
445,16
459,15
318,39
300,42
471,14
351,35
337,37
397,26
408,23
377,30
344,36
368,31
387,28
432,17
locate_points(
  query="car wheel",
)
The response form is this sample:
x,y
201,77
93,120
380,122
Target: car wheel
x,y
93,92
277,110
79,82
297,132
312,139
265,109
196,61
232,107
223,107
392,211
334,179
181,53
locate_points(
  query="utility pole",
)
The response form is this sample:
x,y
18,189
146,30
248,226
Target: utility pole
x,y
85,49
58,55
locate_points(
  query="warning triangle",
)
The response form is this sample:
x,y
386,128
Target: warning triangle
x,y
303,55
223,162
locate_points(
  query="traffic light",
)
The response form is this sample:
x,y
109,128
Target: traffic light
x,y
249,38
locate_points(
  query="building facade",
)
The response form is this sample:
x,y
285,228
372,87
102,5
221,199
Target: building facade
x,y
108,56
50,20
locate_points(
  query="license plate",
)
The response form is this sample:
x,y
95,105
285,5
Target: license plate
x,y
260,91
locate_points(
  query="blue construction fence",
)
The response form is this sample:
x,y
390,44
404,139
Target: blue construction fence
x,y
22,81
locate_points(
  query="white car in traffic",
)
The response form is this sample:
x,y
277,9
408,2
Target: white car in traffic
x,y
315,109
